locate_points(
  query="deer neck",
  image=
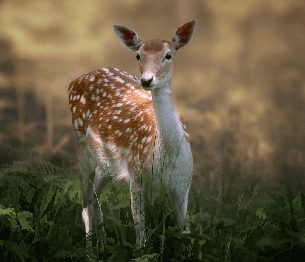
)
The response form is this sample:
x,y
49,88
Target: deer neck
x,y
169,129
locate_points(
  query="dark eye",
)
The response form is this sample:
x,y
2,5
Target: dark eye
x,y
138,57
168,57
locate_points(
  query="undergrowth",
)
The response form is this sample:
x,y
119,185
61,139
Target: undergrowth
x,y
40,220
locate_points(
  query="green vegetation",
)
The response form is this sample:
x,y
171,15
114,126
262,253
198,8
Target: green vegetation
x,y
40,218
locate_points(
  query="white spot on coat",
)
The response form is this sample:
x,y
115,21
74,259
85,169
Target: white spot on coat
x,y
83,100
120,80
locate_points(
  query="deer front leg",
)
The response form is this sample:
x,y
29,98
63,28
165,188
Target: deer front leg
x,y
181,191
180,207
137,208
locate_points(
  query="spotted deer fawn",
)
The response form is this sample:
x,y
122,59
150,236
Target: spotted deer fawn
x,y
130,129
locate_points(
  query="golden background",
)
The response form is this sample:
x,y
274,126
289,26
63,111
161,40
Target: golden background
x,y
239,83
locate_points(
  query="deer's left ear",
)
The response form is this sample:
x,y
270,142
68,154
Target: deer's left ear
x,y
183,35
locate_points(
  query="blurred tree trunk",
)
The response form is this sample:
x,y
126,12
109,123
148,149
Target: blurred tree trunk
x,y
49,120
20,89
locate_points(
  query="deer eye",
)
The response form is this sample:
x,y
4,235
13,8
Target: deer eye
x,y
138,57
168,56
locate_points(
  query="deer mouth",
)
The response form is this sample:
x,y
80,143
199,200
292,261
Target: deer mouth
x,y
148,88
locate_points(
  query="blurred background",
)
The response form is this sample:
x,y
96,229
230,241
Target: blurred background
x,y
239,83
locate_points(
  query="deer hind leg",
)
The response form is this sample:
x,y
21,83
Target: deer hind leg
x,y
138,213
87,168
100,181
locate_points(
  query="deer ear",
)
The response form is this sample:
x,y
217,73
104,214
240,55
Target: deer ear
x,y
128,37
183,35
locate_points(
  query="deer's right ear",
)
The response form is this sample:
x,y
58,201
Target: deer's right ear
x,y
128,37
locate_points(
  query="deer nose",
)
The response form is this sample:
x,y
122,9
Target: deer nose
x,y
146,81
